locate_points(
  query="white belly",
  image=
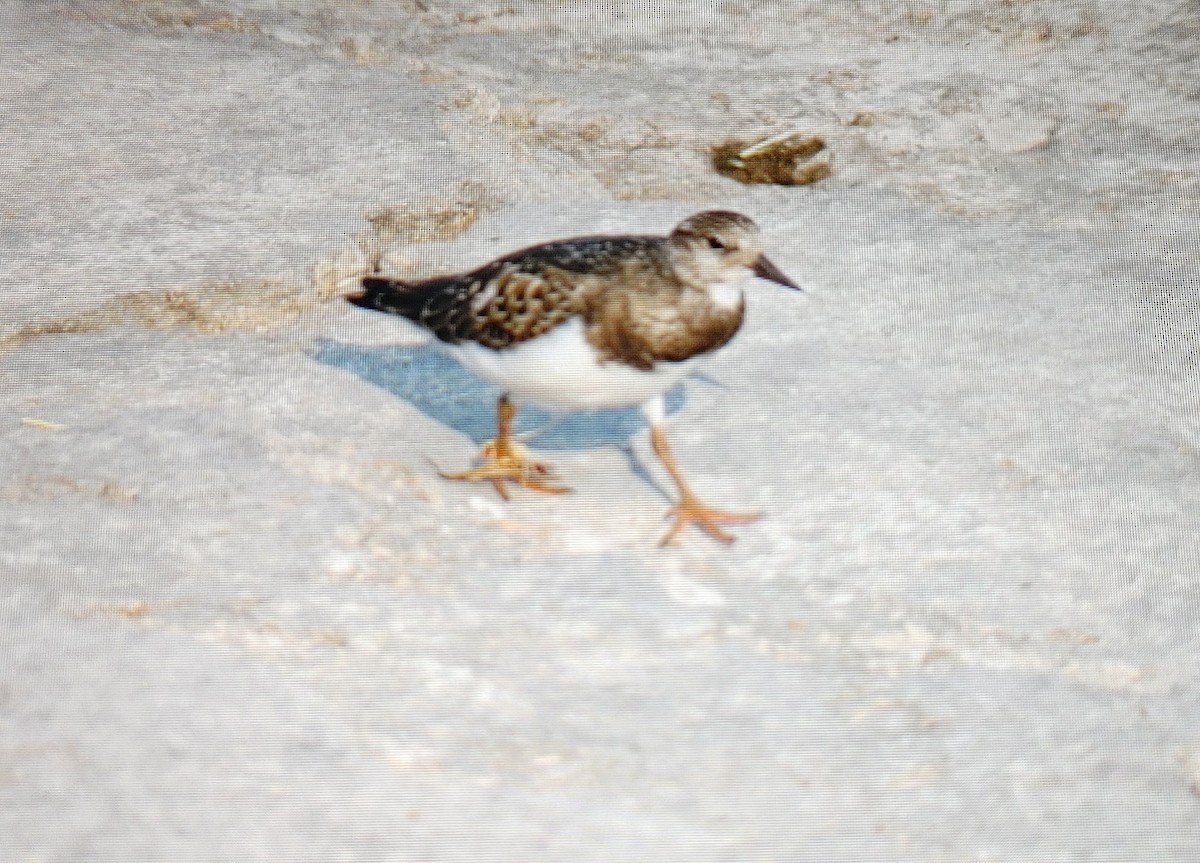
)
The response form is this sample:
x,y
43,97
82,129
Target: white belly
x,y
560,369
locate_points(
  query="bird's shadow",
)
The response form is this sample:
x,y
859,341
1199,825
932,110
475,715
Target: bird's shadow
x,y
437,385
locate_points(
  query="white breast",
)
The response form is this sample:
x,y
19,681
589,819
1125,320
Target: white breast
x,y
560,369
727,294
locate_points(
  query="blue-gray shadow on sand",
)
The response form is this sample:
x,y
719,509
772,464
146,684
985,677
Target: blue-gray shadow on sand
x,y
433,382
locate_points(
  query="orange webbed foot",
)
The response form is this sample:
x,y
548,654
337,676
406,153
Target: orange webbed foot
x,y
503,461
692,511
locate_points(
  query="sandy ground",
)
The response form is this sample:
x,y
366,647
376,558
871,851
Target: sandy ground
x,y
241,618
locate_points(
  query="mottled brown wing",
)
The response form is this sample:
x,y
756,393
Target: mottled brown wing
x,y
529,292
513,304
497,306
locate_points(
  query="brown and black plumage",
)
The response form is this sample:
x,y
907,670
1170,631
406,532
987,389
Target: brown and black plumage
x,y
590,322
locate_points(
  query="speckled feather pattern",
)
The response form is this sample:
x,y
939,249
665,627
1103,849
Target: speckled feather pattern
x,y
635,307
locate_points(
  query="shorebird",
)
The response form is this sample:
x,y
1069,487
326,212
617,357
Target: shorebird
x,y
588,322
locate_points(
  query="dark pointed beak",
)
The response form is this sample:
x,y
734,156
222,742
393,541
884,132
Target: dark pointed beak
x,y
764,269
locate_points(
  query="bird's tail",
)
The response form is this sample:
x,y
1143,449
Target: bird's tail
x,y
383,294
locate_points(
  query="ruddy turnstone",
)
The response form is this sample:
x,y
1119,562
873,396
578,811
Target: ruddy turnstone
x,y
606,321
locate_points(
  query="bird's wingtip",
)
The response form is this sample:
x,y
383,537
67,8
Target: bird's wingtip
x,y
369,289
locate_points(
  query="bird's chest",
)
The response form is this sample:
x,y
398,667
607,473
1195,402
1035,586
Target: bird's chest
x,y
647,328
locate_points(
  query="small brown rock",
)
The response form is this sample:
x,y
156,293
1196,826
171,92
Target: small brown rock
x,y
776,159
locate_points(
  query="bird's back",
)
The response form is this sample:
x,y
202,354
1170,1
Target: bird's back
x,y
516,297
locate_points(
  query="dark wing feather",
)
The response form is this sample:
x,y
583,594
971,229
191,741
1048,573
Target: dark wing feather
x,y
511,299
599,255
440,305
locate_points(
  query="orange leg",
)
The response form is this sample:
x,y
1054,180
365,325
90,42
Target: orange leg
x,y
505,461
689,509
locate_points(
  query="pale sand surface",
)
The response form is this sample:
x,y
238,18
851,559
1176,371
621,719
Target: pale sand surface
x,y
242,619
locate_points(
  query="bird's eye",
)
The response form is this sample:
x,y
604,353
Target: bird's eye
x,y
714,243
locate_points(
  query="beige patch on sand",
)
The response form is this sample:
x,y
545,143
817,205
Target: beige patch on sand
x,y
214,307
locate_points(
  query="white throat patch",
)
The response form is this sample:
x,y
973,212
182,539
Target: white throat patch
x,y
727,294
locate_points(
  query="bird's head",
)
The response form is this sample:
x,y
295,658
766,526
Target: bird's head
x,y
722,246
